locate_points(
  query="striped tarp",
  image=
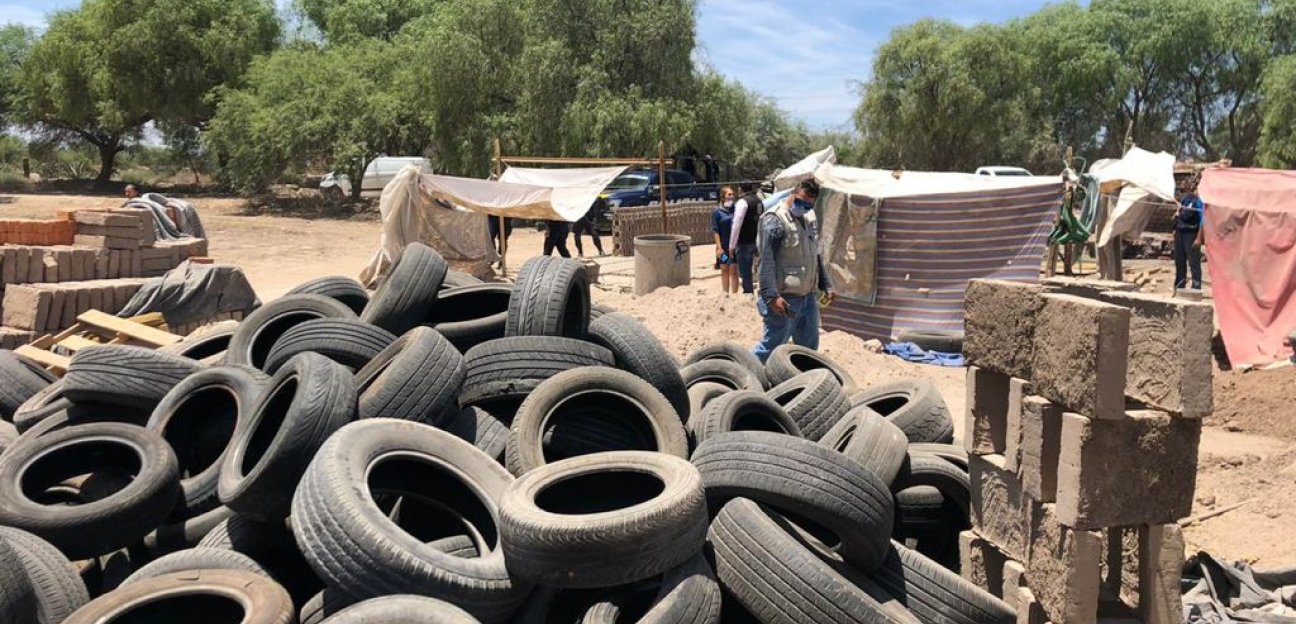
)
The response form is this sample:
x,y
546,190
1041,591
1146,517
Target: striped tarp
x,y
929,247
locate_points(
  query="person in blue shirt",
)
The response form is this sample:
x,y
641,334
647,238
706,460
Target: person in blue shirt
x,y
1187,240
721,225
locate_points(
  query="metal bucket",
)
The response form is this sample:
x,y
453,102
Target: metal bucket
x,y
661,260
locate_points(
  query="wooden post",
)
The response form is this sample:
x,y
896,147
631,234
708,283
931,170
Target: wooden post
x,y
661,182
498,166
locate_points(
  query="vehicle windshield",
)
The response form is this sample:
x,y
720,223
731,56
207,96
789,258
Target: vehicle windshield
x,y
629,182
1013,172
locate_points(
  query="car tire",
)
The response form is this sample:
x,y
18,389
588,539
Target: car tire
x,y
550,298
866,437
209,341
653,518
257,335
349,342
470,315
814,400
344,289
931,340
196,559
481,429
124,375
636,350
258,599
406,609
19,380
936,594
789,360
17,597
409,291
455,279
169,538
952,481
58,588
915,406
741,410
508,369
702,393
417,377
732,375
688,594
733,352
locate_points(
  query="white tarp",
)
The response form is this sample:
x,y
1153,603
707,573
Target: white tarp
x,y
569,192
805,168
883,184
1142,180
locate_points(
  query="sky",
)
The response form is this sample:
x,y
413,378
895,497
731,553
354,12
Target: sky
x,y
808,55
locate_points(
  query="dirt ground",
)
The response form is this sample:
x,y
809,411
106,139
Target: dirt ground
x,y
1248,449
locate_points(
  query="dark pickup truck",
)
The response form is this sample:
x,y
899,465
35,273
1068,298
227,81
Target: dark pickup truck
x,y
641,187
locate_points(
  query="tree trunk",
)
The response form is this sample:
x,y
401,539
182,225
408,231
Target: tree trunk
x,y
357,180
107,162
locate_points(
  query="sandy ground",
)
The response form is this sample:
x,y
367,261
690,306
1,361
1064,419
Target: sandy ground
x,y
1248,449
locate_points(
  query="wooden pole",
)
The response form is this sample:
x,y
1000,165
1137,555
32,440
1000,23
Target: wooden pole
x,y
498,166
661,182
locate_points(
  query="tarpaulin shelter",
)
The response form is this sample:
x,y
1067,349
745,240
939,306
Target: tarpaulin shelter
x,y
1250,232
805,168
1137,184
901,250
449,213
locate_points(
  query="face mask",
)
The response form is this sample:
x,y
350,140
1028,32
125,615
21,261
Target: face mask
x,y
729,203
800,207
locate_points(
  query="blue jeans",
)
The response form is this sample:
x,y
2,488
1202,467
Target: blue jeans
x,y
802,325
746,258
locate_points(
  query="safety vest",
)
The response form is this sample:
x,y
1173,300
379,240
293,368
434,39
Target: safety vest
x,y
796,265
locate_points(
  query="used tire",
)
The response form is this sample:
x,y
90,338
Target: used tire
x,y
952,453
733,352
306,401
169,538
789,360
344,289
915,406
470,315
455,279
776,578
40,406
598,309
351,542
81,414
742,410
928,523
118,519
19,380
409,291
508,369
417,377
734,376
349,342
646,516
8,433
702,393
688,594
932,340
17,598
193,596
805,480
406,609
198,419
814,400
551,298
638,351
481,429
124,375
273,547
205,342
58,587
952,481
256,336
606,396
935,594
197,559
866,437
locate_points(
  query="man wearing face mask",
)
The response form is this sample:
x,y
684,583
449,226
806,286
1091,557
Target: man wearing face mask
x,y
791,273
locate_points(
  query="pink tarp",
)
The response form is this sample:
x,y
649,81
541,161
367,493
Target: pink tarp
x,y
1251,246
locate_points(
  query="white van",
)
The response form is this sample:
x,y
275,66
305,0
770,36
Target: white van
x,y
1000,172
377,174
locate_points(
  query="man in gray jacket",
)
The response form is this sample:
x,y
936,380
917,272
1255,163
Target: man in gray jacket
x,y
791,272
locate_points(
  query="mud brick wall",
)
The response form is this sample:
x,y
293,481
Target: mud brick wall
x,y
1083,420
54,307
692,219
36,232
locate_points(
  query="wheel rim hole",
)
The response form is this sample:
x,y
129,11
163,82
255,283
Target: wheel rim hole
x,y
434,503
788,397
887,406
272,331
193,608
757,421
201,428
574,313
845,440
208,348
107,464
596,422
599,492
470,306
273,414
717,379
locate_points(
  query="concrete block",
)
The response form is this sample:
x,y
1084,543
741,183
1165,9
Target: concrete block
x,y
21,270
35,265
999,507
981,563
9,266
999,325
26,307
1080,353
1141,469
1029,610
1161,556
1064,568
53,269
58,301
130,231
97,298
100,260
71,310
119,219
114,264
63,259
1013,577
1018,390
1041,442
1087,288
108,242
1169,352
987,411
12,337
135,268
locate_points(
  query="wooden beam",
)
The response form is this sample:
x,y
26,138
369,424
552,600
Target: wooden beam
x,y
45,358
142,333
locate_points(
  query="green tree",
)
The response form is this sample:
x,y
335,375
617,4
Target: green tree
x,y
1277,147
15,41
349,21
101,72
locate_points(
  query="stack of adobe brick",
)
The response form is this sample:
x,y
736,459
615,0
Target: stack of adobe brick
x,y
1084,416
51,271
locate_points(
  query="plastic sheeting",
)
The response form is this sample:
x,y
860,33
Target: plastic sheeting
x,y
1250,232
547,194
413,210
881,184
1221,592
1144,180
805,168
192,293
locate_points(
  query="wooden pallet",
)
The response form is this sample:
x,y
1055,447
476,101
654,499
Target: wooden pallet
x,y
54,351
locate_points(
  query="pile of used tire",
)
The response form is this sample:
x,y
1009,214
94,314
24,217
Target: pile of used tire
x,y
448,451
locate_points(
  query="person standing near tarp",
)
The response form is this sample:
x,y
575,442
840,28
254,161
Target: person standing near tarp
x,y
791,273
721,224
493,224
742,238
556,238
585,224
1188,240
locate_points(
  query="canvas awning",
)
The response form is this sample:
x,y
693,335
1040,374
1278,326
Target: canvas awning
x,y
1250,232
1141,181
548,194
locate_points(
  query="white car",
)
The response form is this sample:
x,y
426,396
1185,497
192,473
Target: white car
x,y
377,174
999,172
